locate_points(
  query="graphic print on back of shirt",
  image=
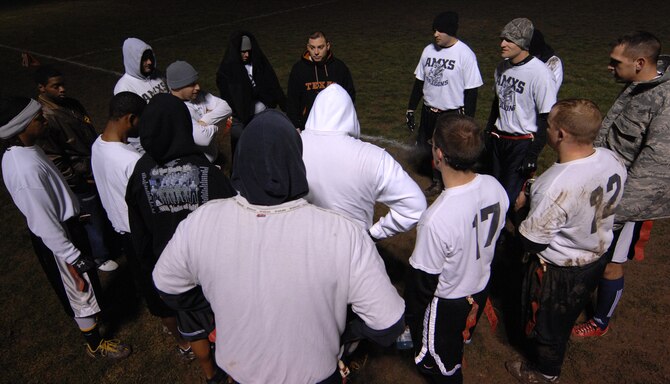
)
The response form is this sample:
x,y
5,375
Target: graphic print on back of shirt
x,y
173,188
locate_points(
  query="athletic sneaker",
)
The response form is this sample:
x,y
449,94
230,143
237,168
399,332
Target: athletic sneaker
x,y
108,266
109,349
526,375
589,329
186,354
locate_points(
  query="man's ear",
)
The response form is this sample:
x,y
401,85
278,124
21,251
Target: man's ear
x,y
41,88
640,63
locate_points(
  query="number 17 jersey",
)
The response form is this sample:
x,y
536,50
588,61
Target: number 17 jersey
x,y
456,236
572,208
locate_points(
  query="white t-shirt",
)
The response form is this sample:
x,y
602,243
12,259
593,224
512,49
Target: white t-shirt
x,y
555,64
572,208
446,74
523,91
279,294
113,164
456,236
210,110
42,195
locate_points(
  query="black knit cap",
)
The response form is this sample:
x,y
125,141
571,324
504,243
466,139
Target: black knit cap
x,y
446,22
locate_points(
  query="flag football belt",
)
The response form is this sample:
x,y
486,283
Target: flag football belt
x,y
512,136
457,111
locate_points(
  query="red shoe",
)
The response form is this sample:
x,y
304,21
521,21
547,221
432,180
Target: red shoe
x,y
589,329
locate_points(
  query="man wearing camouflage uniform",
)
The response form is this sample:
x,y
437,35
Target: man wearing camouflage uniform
x,y
637,128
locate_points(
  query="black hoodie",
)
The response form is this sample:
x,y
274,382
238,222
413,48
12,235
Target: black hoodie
x,y
308,78
234,83
268,167
170,180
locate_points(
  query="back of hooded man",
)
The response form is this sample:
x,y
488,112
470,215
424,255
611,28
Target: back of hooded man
x,y
279,295
141,77
349,176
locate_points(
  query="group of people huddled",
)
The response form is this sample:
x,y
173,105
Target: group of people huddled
x,y
271,274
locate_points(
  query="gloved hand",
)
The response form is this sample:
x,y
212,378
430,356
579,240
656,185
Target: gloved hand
x,y
409,120
82,265
528,167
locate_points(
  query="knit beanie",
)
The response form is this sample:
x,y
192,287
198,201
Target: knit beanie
x,y
519,31
180,74
246,44
446,22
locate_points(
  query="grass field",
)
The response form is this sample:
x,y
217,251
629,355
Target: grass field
x,y
381,43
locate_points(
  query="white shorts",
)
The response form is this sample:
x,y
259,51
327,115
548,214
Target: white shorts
x,y
630,242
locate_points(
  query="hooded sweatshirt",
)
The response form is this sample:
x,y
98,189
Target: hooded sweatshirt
x,y
133,80
279,295
235,85
308,78
268,168
349,176
170,180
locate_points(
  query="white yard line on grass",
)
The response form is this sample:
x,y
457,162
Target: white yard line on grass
x,y
44,55
385,142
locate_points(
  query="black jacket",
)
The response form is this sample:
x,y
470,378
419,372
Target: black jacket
x,y
308,78
235,86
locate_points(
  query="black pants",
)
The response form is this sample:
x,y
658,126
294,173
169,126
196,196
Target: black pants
x,y
507,156
426,130
144,281
553,299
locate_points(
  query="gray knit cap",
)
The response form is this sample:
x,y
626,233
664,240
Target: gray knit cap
x,y
180,74
519,31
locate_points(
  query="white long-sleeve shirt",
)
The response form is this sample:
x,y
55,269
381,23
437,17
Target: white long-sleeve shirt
x,y
206,111
349,176
43,197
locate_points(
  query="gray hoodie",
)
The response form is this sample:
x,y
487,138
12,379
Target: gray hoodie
x,y
133,80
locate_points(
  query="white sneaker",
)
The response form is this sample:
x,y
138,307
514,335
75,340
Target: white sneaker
x,y
108,266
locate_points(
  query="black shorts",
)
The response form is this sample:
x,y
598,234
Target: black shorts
x,y
195,318
441,350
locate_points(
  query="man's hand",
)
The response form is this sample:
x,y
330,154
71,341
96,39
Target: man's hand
x,y
409,120
521,201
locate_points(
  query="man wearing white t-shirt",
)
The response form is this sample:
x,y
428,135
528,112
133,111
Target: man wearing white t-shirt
x,y
113,161
525,91
447,77
279,295
566,232
451,262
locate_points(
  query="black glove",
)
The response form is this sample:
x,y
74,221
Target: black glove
x,y
528,167
82,264
409,119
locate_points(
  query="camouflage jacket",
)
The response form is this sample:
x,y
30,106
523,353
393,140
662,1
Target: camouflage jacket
x,y
637,128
